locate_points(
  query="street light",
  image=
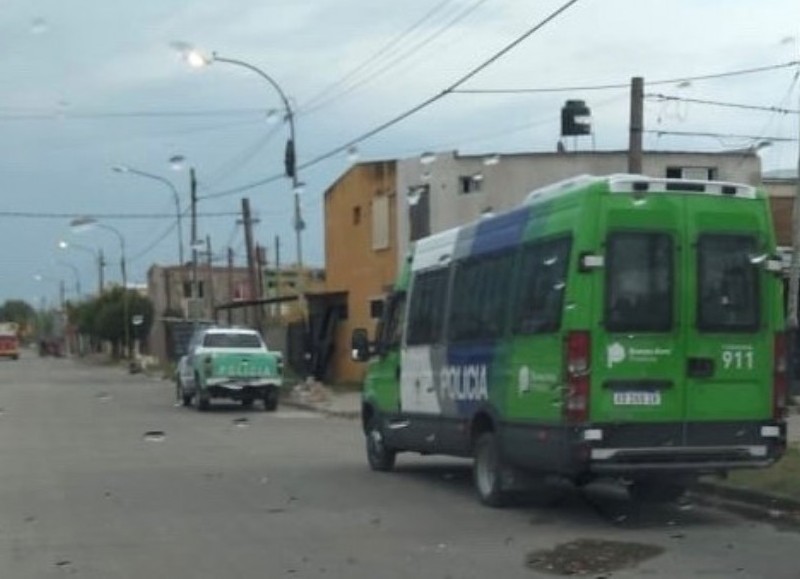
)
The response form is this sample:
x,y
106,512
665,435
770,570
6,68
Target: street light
x,y
175,197
97,255
82,224
61,291
77,275
197,59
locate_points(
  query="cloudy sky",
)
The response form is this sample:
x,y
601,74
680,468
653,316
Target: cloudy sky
x,y
87,85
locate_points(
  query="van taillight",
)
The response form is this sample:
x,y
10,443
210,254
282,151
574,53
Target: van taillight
x,y
780,379
578,359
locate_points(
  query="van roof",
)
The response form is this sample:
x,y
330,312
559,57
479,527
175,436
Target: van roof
x,y
439,248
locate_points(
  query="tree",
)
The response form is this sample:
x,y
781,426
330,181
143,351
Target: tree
x,y
18,311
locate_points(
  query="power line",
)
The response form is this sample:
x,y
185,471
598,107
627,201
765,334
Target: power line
x,y
663,97
577,88
720,136
66,116
241,159
413,110
375,56
125,216
401,57
155,243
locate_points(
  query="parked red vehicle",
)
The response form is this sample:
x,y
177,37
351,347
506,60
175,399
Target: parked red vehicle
x,y
9,340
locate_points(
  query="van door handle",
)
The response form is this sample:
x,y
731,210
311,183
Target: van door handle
x,y
700,367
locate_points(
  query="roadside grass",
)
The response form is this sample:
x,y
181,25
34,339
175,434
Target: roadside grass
x,y
782,478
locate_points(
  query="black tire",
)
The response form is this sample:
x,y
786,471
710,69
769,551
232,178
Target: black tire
x,y
15,357
487,472
247,402
203,400
380,457
654,491
271,400
181,395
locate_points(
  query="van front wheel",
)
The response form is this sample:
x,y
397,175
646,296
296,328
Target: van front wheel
x,y
487,472
380,457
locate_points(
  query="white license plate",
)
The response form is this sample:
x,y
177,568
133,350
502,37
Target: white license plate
x,y
637,398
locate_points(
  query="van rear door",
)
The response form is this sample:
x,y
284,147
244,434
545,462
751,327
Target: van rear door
x,y
729,342
637,378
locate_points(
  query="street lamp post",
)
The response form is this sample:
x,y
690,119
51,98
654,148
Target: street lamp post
x,y
96,255
82,223
77,275
175,196
196,59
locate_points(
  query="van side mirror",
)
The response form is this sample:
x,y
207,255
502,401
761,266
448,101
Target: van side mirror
x,y
359,345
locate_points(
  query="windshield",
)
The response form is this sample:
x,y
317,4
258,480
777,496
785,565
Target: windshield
x,y
231,340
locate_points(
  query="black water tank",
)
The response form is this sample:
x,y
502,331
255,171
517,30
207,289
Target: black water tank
x,y
575,119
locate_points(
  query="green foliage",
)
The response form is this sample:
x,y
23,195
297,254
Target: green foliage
x,y
18,311
104,318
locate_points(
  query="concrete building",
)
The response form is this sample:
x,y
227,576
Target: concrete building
x,y
222,293
375,209
782,189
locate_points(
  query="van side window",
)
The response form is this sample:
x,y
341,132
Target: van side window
x,y
392,321
639,282
481,292
426,309
728,299
542,283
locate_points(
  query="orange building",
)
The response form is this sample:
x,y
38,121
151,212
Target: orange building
x,y
360,257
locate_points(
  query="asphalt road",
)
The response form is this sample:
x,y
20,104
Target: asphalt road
x,y
232,493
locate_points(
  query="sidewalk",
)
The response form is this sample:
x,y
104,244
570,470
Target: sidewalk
x,y
319,398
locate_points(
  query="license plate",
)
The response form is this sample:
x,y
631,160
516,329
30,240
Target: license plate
x,y
637,398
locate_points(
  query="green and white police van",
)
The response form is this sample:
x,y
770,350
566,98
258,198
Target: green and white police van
x,y
618,326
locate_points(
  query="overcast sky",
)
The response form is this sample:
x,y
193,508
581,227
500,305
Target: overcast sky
x,y
87,85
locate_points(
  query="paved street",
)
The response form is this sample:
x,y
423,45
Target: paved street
x,y
232,493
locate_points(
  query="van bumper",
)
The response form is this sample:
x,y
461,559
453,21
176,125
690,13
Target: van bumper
x,y
696,447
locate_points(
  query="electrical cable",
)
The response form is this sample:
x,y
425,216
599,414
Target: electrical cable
x,y
720,135
397,60
326,91
662,97
577,88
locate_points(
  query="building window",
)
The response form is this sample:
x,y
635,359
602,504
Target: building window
x,y
692,173
376,309
187,289
356,215
469,184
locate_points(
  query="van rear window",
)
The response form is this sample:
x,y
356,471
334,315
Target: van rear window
x,y
728,282
639,282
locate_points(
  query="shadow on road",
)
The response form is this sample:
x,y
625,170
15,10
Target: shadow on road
x,y
604,503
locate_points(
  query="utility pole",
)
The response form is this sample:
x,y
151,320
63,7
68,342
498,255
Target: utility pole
x,y
261,261
277,308
101,266
193,188
62,294
794,268
636,126
230,284
210,278
251,258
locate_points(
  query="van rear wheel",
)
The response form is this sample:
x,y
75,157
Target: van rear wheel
x,y
487,472
380,457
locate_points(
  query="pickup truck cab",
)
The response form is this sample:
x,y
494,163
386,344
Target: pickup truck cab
x,y
229,363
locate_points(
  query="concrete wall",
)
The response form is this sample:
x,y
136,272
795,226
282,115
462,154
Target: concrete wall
x,y
505,184
353,263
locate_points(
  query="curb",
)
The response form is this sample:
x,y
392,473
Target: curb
x,y
757,505
346,414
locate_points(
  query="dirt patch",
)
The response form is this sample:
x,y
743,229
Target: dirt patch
x,y
584,556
